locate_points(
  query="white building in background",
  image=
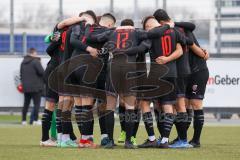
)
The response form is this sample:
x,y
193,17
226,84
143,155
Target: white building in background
x,y
230,28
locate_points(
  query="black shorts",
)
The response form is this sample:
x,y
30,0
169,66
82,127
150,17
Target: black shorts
x,y
61,79
101,80
171,97
79,78
119,81
181,87
51,95
197,84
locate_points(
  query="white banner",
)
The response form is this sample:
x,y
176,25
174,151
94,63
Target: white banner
x,y
223,89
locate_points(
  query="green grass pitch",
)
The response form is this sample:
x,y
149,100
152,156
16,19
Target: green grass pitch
x,y
22,143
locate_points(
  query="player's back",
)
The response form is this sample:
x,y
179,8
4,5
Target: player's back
x,y
123,39
165,46
183,65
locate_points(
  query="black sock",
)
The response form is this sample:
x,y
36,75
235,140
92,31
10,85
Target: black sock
x,y
148,122
190,117
130,118
66,122
137,121
198,124
46,124
159,121
109,122
87,120
101,119
59,120
78,113
168,119
180,123
121,111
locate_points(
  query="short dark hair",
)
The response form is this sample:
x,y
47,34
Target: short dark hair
x,y
31,50
92,14
161,15
80,14
127,22
98,19
144,21
109,15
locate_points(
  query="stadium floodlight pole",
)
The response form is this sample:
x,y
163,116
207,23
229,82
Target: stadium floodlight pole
x,y
11,26
135,10
219,41
60,9
112,6
165,5
24,43
156,4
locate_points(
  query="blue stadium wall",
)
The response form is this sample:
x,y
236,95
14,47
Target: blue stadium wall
x,y
35,41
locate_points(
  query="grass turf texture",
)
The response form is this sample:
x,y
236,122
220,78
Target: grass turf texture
x,y
22,143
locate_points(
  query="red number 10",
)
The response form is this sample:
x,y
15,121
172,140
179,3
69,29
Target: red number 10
x,y
166,45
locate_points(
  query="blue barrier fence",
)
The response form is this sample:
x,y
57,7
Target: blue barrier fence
x,y
35,41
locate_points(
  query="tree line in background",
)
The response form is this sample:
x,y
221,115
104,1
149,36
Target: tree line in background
x,y
45,18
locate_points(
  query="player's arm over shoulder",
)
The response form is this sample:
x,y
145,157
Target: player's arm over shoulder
x,y
69,21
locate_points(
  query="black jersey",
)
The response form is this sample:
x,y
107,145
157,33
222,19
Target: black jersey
x,y
62,46
53,51
165,46
183,66
196,63
78,39
119,40
68,49
92,31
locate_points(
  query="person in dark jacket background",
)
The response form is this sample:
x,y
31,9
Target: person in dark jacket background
x,y
31,73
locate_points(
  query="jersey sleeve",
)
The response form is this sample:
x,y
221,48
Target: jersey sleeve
x,y
142,48
186,25
182,39
68,47
157,32
74,39
52,47
191,36
95,36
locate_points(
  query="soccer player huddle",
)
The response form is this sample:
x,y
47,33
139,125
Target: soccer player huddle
x,y
96,66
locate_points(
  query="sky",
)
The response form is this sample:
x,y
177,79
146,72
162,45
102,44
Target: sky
x,y
204,8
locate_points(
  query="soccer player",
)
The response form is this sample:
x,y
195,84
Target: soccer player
x,y
112,99
106,22
51,96
196,88
64,124
83,103
183,70
165,54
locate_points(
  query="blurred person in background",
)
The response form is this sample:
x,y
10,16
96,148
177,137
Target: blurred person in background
x,y
31,73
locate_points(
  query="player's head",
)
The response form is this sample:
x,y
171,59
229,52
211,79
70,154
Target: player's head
x,y
149,23
127,22
90,14
161,16
107,20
